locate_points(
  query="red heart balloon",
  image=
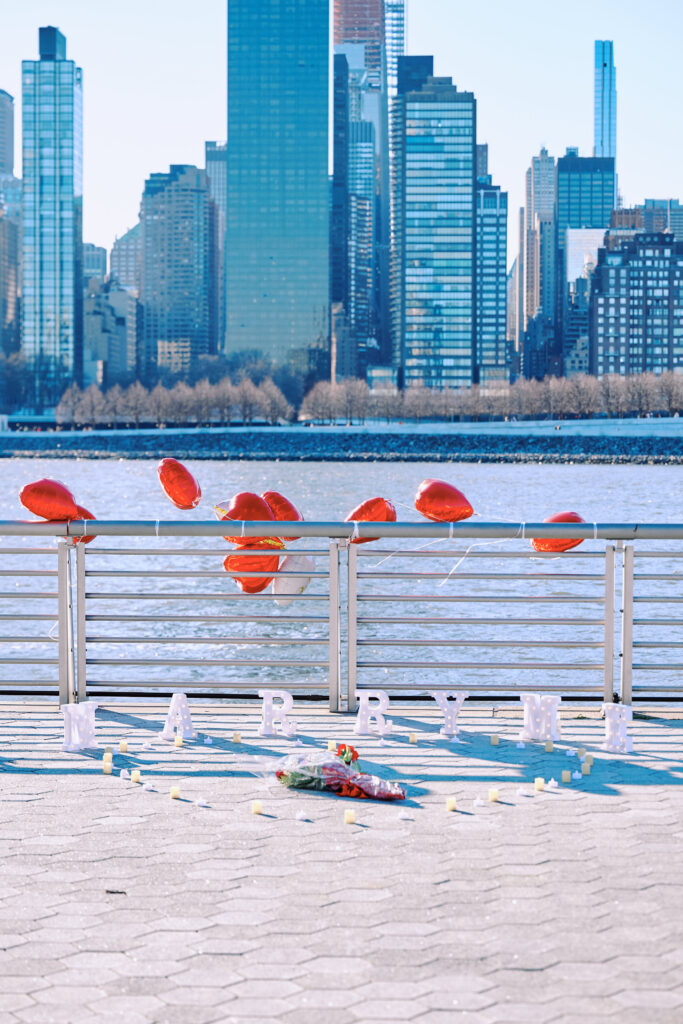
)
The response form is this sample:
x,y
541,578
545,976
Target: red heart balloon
x,y
374,510
84,514
282,509
49,499
178,483
559,543
441,502
244,506
248,563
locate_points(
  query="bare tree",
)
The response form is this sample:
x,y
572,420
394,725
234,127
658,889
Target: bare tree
x,y
274,405
114,405
136,402
321,403
159,404
204,401
642,391
583,395
671,392
417,402
385,404
68,403
181,402
247,399
355,399
225,399
91,408
614,397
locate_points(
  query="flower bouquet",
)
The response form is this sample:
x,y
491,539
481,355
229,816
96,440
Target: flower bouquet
x,y
336,773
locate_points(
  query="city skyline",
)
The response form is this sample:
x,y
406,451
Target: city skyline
x,y
156,117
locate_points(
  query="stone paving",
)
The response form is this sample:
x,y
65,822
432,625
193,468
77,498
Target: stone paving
x,y
120,904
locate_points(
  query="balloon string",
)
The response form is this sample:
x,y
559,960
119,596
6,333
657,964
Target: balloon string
x,y
595,531
156,527
355,534
478,544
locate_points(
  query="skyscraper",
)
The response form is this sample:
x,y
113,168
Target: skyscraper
x,y
52,292
178,285
277,232
539,237
6,133
362,21
361,240
216,156
394,33
605,101
126,259
436,225
94,263
492,361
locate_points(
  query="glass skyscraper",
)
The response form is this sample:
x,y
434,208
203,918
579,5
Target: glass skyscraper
x,y
436,225
52,294
277,230
491,319
216,156
605,100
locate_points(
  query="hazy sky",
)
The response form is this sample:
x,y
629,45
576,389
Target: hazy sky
x,y
154,86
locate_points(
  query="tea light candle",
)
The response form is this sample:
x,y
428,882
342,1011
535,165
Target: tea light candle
x,y
495,740
107,756
451,803
566,775
175,792
493,796
237,737
106,767
331,745
349,817
123,747
589,760
549,746
581,752
585,769
135,775
178,740
256,807
539,784
412,737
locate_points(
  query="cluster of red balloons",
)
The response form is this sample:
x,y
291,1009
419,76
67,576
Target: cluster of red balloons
x,y
268,507
53,501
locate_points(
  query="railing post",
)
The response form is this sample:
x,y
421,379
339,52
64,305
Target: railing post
x,y
608,689
352,625
81,653
65,619
627,628
334,671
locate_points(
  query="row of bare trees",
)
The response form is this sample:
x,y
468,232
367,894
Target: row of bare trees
x,y
351,401
580,396
205,403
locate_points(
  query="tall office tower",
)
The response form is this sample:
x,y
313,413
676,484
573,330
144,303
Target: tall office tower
x,y
636,307
277,231
9,283
605,101
482,167
395,40
435,302
52,290
585,199
178,288
110,334
492,362
94,263
339,221
362,21
216,157
125,261
6,133
361,242
539,237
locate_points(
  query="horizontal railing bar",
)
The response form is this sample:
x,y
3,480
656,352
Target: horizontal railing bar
x,y
485,598
205,618
378,642
202,552
217,596
668,599
658,622
483,688
526,577
203,662
29,661
442,620
203,573
233,641
123,684
669,577
539,665
31,639
669,666
18,617
28,551
460,552
657,554
28,572
14,595
658,643
210,528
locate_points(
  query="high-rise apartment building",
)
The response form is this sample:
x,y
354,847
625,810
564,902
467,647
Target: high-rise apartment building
x,y
435,299
216,157
539,237
277,230
395,40
362,21
178,283
339,218
52,290
94,263
9,282
361,241
492,361
125,262
605,101
636,307
110,335
6,133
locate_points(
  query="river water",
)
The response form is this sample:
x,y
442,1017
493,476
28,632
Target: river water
x,y
327,492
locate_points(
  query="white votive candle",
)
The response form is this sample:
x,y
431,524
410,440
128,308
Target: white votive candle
x,y
175,792
123,747
585,769
493,796
349,817
495,740
332,745
237,737
135,775
451,803
106,767
539,784
178,740
549,746
412,737
566,775
256,807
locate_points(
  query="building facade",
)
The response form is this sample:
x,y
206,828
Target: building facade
x,y
278,194
492,351
178,288
52,272
434,305
94,263
636,307
110,335
125,262
539,237
216,159
6,133
605,100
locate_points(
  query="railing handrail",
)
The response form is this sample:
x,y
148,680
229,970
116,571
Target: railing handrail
x,y
340,530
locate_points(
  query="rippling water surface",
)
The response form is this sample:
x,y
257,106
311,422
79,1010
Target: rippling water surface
x,y
183,608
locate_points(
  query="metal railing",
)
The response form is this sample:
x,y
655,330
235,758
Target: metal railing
x,y
427,607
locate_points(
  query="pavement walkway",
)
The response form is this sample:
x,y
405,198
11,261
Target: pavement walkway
x,y
120,904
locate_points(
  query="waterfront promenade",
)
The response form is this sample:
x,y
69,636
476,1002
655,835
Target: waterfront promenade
x,y
119,904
